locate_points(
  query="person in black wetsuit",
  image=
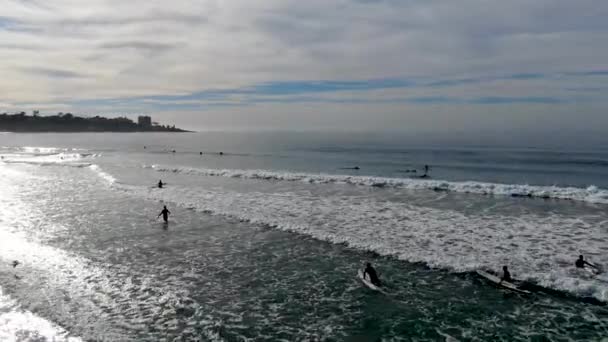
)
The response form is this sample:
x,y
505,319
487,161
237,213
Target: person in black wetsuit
x,y
580,263
371,275
165,212
506,276
160,184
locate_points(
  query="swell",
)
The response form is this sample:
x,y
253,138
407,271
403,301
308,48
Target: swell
x,y
591,194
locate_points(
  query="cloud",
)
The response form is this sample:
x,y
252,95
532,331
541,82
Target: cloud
x,y
362,91
53,73
337,56
510,100
139,45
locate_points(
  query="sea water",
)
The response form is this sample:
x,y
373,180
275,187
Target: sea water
x,y
267,231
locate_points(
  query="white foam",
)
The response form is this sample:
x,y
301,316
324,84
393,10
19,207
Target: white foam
x,y
108,177
537,248
43,150
60,159
590,194
17,324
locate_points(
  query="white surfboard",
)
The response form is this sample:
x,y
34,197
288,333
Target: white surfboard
x,y
591,271
504,284
368,283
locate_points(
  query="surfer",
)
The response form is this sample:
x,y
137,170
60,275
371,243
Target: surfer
x,y
165,212
160,183
581,262
506,276
426,171
371,274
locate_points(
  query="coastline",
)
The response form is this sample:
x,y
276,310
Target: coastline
x,y
69,123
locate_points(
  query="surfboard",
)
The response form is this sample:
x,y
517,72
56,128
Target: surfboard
x,y
504,284
368,283
591,271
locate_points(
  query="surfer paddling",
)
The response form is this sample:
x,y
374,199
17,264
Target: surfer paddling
x,y
371,275
581,262
165,212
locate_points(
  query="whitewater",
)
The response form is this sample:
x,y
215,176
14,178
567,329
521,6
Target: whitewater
x,y
590,194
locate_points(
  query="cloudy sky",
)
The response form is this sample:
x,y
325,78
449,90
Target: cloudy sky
x,y
464,66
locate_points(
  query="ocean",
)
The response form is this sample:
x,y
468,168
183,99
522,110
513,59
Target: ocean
x,y
268,229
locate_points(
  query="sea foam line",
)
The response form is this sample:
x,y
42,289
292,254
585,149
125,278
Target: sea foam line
x,y
591,194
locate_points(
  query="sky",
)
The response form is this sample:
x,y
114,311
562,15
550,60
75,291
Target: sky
x,y
536,68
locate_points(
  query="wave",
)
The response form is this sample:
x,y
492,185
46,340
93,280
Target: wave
x,y
35,150
538,249
78,165
18,322
108,177
591,194
62,159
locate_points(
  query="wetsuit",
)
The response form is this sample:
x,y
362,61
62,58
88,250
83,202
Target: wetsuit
x,y
506,276
580,263
373,277
160,184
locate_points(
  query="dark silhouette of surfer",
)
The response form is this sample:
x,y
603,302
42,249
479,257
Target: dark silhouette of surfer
x,y
581,262
371,275
506,276
165,212
160,184
426,172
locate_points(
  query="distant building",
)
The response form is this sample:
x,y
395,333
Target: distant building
x,y
144,121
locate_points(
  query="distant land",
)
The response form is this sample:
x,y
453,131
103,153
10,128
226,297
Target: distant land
x,y
21,122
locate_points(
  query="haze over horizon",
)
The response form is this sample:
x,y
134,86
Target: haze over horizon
x,y
521,69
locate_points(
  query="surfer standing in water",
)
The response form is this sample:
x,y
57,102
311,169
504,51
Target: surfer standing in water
x,y
371,275
160,184
165,212
581,262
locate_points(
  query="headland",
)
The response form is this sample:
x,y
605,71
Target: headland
x,y
67,122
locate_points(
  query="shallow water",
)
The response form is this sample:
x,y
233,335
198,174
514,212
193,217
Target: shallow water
x,y
274,257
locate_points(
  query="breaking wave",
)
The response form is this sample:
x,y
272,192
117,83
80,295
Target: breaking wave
x,y
539,249
49,157
591,194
